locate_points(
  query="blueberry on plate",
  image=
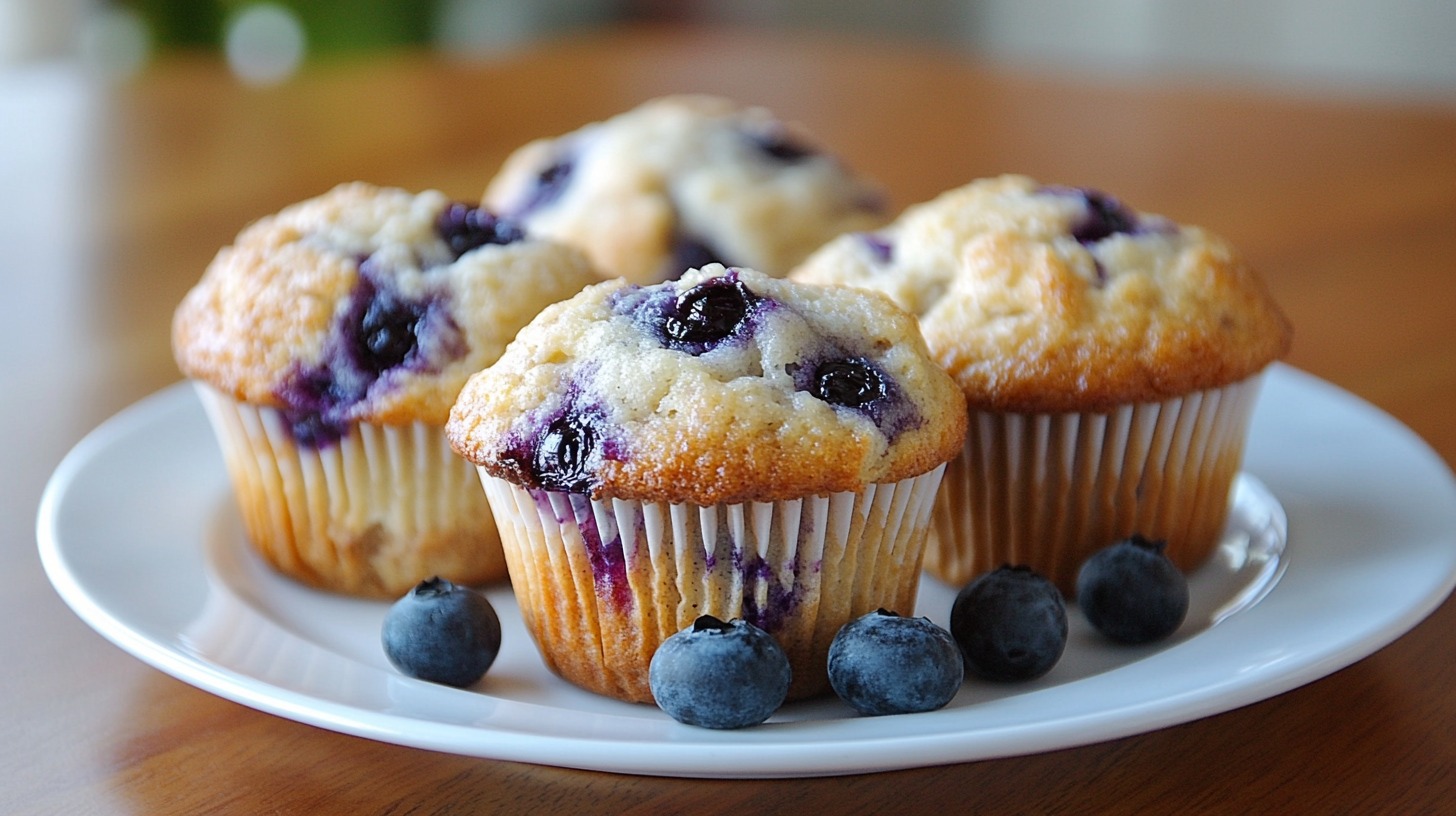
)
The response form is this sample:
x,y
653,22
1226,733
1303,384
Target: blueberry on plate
x,y
717,674
882,663
442,633
1011,624
1131,592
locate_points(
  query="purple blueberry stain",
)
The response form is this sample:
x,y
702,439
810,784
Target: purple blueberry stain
x,y
464,227
564,454
878,246
381,328
855,383
718,311
550,183
605,554
1103,215
780,600
778,144
562,449
379,331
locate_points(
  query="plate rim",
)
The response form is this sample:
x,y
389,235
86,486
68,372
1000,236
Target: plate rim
x,y
738,754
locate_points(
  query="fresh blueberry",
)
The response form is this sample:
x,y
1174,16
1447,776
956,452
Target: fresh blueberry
x,y
706,314
442,633
881,663
465,228
852,383
719,675
563,457
1131,592
1011,624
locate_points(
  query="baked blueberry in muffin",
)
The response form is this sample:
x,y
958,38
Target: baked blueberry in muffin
x,y
1109,358
328,342
729,444
682,182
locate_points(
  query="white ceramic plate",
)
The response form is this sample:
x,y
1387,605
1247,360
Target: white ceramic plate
x,y
138,533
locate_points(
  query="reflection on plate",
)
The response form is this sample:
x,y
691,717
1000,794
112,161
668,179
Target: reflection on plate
x,y
139,535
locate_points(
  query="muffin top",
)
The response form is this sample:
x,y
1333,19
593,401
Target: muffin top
x,y
726,386
366,304
1055,299
683,181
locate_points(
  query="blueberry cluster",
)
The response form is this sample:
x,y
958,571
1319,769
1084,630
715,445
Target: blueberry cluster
x,y
1011,623
1007,625
721,311
382,330
561,451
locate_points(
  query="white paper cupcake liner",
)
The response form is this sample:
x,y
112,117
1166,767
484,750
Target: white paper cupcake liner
x,y
1048,490
372,514
601,583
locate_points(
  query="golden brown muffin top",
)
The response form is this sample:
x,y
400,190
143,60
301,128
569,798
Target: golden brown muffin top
x,y
366,303
1053,299
726,386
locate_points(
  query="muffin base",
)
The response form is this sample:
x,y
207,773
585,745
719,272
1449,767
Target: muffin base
x,y
384,508
1048,490
601,583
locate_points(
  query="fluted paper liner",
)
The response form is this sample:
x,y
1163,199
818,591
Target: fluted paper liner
x,y
1048,490
601,583
372,514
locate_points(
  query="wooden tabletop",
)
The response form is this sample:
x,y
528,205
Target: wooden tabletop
x,y
117,197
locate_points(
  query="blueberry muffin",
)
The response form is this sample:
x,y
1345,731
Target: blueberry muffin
x,y
1109,358
683,181
328,343
729,444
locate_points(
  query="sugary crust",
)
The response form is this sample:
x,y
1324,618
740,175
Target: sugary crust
x,y
268,303
1029,319
724,427
683,166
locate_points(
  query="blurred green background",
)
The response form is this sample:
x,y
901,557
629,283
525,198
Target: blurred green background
x,y
1393,46
330,25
